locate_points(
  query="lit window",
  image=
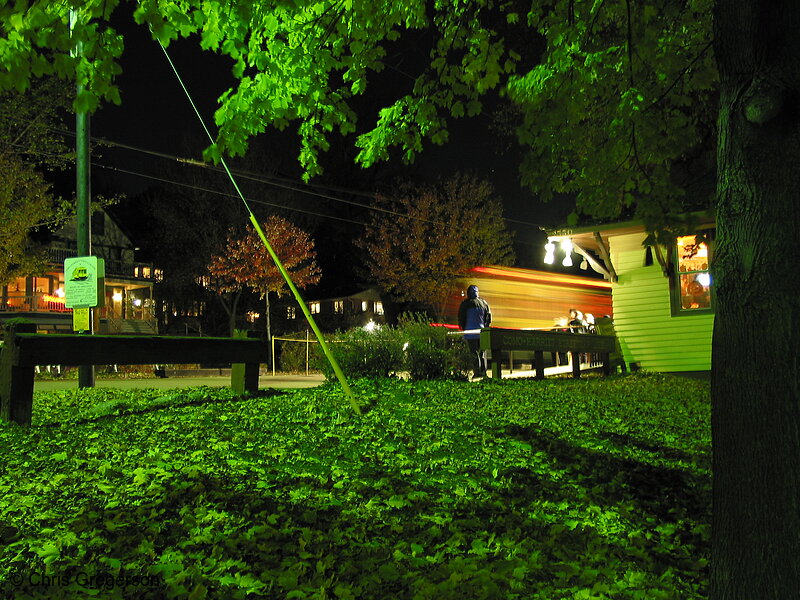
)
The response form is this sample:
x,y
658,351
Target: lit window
x,y
252,316
364,306
291,312
315,306
41,284
379,308
338,306
691,288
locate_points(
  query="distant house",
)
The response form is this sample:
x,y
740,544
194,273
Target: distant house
x,y
663,295
128,284
342,312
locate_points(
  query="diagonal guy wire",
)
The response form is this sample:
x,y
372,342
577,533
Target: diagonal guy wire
x,y
336,368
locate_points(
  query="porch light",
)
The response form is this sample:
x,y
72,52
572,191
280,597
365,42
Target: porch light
x,y
549,256
117,297
566,246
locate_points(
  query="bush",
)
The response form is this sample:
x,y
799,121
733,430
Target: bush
x,y
414,347
292,355
361,353
431,352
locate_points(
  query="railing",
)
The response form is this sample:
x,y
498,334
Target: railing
x,y
35,303
121,268
497,341
143,321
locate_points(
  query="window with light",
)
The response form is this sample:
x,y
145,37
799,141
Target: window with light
x,y
315,306
692,285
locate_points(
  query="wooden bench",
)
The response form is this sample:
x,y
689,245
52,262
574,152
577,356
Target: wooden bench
x,y
23,350
498,340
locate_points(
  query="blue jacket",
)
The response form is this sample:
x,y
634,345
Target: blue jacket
x,y
474,313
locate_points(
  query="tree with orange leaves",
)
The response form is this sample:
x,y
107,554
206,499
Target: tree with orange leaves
x,y
245,262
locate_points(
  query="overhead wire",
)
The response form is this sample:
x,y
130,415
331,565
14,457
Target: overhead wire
x,y
220,193
164,180
291,186
203,164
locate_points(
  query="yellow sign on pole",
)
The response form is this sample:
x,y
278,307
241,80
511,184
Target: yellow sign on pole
x,y
80,319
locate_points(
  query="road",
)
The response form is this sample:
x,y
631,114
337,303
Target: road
x,y
265,381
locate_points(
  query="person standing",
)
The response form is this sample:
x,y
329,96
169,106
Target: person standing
x,y
474,314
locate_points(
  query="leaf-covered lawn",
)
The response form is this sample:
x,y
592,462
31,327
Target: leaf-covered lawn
x,y
598,488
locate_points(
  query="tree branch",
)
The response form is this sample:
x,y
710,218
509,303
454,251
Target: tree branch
x,y
680,75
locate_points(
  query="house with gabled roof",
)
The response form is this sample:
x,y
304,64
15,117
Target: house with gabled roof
x,y
129,303
662,293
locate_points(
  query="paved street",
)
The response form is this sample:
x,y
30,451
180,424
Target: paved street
x,y
265,381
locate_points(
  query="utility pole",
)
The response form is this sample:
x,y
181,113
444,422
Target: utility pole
x,y
83,209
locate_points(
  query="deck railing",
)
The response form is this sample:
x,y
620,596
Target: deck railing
x,y
119,268
36,303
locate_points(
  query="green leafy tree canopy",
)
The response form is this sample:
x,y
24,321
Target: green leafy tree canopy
x,y
25,200
614,93
30,145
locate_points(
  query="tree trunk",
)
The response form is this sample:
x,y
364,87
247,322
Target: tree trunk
x,y
230,309
755,395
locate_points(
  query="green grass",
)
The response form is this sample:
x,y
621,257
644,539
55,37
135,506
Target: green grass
x,y
589,489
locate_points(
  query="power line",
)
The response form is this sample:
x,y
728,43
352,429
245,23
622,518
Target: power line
x,y
219,193
247,174
264,202
266,182
291,185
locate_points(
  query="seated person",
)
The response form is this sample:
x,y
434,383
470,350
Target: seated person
x,y
576,323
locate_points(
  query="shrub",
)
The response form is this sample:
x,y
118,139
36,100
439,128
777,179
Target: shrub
x,y
413,347
361,353
431,352
292,355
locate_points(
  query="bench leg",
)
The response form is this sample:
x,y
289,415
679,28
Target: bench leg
x,y
16,383
16,394
606,364
538,358
497,364
244,378
576,364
